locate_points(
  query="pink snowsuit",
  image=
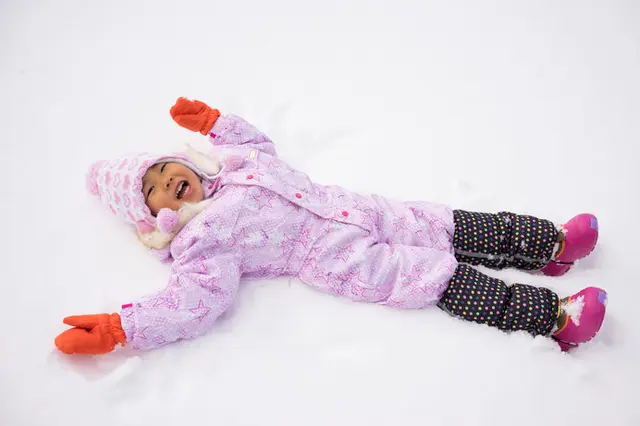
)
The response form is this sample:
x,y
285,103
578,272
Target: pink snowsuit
x,y
268,220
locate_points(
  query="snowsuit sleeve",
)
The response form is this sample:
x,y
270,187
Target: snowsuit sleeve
x,y
233,130
199,291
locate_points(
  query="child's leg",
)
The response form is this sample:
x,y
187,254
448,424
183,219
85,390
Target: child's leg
x,y
348,261
477,297
503,240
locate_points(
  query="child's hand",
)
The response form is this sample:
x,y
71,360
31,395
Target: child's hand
x,y
194,115
93,334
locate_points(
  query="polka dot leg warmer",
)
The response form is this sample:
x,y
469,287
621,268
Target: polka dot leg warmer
x,y
476,297
503,240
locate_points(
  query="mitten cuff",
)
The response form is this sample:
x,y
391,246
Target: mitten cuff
x,y
116,328
212,117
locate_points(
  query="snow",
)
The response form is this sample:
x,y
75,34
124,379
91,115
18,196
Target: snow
x,y
527,106
573,309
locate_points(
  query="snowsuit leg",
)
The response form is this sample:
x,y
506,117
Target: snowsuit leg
x,y
503,240
352,262
476,297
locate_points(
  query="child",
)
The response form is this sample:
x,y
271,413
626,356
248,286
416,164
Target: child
x,y
242,213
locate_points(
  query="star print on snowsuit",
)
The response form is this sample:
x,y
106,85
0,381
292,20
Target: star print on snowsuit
x,y
272,220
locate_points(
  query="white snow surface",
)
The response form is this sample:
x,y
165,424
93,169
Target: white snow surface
x,y
573,309
528,106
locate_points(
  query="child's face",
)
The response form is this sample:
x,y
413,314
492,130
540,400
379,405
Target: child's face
x,y
169,185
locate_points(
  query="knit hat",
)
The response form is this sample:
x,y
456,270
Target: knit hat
x,y
118,185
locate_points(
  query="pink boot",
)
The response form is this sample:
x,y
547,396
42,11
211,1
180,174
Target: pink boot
x,y
584,313
580,238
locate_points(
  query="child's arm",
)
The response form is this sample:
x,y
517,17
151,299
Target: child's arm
x,y
198,293
221,129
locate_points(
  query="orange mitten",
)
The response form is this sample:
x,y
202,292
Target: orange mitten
x,y
194,115
93,334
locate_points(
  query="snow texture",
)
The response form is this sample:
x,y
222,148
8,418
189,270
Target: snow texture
x,y
573,309
528,106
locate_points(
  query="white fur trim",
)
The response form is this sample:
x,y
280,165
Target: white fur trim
x,y
158,240
208,164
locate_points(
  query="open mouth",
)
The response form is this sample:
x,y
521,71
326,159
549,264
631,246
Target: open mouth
x,y
183,189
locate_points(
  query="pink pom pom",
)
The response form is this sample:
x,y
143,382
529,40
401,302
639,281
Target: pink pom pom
x,y
144,227
233,162
167,220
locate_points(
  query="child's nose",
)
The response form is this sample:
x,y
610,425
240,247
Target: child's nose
x,y
168,182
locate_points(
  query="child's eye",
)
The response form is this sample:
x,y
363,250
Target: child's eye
x,y
162,168
149,191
